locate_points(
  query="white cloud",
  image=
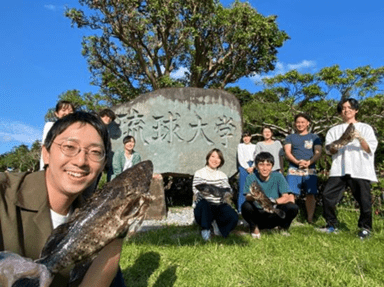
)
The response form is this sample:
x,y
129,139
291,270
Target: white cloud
x,y
281,68
19,132
50,7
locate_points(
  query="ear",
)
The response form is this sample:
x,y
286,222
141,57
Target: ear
x,y
56,115
46,155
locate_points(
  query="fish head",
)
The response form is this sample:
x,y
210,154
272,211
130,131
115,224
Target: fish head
x,y
256,191
130,193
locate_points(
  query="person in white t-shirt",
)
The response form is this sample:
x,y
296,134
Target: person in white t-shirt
x,y
245,151
353,166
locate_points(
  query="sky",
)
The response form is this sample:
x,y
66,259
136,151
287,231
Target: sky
x,y
40,53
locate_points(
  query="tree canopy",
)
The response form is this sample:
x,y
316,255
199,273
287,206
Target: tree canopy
x,y
137,45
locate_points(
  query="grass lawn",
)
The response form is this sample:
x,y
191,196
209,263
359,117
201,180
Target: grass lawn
x,y
177,256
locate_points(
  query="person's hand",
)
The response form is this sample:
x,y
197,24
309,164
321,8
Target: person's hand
x,y
250,169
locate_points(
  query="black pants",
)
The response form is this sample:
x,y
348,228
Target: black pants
x,y
361,191
225,216
265,220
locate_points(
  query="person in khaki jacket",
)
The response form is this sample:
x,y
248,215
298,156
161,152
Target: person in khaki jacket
x,y
33,204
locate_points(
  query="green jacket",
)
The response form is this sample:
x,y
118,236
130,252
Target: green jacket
x,y
25,216
118,162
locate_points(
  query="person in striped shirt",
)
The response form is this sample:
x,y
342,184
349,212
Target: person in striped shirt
x,y
210,211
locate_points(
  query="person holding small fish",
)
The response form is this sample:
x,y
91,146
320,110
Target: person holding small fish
x,y
210,207
269,201
303,150
74,154
352,145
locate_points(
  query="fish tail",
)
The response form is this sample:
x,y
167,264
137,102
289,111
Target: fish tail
x,y
16,271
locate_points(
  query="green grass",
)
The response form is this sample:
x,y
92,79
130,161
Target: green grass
x,y
177,256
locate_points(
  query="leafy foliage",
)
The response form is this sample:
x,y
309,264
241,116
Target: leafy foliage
x,y
139,44
21,158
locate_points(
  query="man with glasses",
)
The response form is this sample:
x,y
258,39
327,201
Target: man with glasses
x,y
33,204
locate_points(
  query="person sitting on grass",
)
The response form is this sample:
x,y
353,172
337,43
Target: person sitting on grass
x,y
276,188
210,211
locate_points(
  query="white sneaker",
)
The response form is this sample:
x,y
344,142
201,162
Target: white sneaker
x,y
206,234
216,229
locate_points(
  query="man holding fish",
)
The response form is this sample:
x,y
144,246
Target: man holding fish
x,y
33,204
352,145
269,201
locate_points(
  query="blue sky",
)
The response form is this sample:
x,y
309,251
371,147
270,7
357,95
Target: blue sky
x,y
40,53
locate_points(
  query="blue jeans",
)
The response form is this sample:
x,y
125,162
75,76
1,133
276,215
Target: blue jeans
x,y
242,177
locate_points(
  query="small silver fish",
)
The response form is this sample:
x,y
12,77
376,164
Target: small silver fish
x,y
106,215
257,193
346,137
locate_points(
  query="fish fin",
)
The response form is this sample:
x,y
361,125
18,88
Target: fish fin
x,y
280,213
17,271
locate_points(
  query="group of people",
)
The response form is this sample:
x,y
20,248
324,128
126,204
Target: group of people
x,y
76,149
263,163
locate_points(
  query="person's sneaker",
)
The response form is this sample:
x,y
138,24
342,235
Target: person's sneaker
x,y
363,234
206,234
216,229
329,229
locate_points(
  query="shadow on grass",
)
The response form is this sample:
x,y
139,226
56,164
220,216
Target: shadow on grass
x,y
144,266
182,236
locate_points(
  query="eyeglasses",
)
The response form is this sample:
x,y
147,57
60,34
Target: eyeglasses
x,y
72,148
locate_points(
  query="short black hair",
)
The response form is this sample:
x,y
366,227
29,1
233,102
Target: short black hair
x,y
128,139
354,104
264,156
220,154
302,115
107,112
62,103
79,117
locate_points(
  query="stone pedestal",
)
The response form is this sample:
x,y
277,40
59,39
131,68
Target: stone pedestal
x,y
157,209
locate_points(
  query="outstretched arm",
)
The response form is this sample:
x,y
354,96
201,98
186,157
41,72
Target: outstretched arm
x,y
104,268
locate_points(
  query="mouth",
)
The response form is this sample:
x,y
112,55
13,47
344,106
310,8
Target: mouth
x,y
77,174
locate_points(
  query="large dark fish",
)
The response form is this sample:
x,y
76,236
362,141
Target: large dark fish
x,y
106,215
257,193
206,190
346,137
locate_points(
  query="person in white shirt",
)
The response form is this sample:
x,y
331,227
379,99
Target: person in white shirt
x,y
353,166
245,157
209,211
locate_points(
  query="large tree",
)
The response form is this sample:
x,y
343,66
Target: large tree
x,y
138,44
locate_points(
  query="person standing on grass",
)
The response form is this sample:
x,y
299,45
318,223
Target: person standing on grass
x,y
274,147
302,150
210,211
353,166
245,151
276,188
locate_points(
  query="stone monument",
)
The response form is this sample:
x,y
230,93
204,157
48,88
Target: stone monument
x,y
175,128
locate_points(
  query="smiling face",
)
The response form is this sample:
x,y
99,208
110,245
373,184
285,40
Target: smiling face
x,y
70,176
129,146
247,139
214,160
267,134
348,113
65,110
264,168
302,125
